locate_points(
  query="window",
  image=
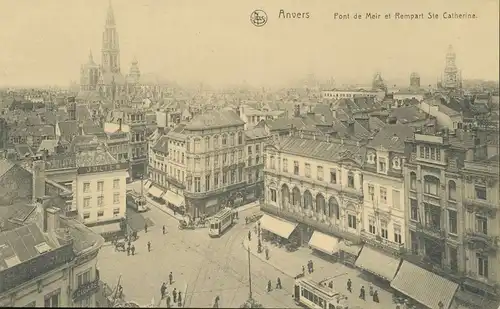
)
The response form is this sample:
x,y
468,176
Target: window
x,y
333,176
285,165
197,185
224,178
216,180
249,161
207,143
452,190
383,195
240,174
396,199
52,299
351,220
482,265
452,221
308,170
224,140
319,172
257,160
216,160
413,210
86,215
382,165
257,148
207,183
273,195
453,253
397,234
383,229
233,176
116,211
413,181
207,162
100,201
196,145
272,162
86,202
350,180
249,150
371,226
249,177
216,141
295,167
116,184
231,139
240,138
371,192
482,224
83,277
431,185
197,164
240,155
396,163
232,157
116,198
100,213
480,192
371,158
86,187
182,158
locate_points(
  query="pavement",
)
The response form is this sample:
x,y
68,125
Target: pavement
x,y
322,269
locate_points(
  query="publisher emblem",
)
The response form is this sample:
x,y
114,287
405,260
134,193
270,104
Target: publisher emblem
x,y
258,18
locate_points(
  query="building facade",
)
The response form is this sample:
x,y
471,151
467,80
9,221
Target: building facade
x,y
256,141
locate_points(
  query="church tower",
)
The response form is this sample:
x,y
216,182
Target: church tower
x,y
451,74
89,75
110,44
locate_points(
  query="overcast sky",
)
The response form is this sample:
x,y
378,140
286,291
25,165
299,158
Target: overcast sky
x,y
44,42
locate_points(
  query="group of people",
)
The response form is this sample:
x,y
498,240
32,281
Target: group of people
x,y
278,285
176,295
362,292
310,268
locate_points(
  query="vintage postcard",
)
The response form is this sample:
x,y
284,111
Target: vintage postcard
x,y
250,154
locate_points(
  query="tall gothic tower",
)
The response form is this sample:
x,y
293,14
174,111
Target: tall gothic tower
x,y
110,44
451,74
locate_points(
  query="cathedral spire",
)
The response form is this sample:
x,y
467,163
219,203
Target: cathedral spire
x,y
91,58
110,18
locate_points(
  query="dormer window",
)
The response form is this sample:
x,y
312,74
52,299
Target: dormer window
x,y
371,157
396,163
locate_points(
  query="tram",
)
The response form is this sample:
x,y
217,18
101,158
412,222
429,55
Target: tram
x,y
310,294
219,223
136,201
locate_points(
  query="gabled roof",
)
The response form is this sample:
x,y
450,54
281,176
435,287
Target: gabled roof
x,y
162,144
408,114
94,158
214,119
256,132
5,166
23,150
391,137
49,145
68,129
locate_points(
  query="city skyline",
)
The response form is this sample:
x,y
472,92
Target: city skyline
x,y
191,42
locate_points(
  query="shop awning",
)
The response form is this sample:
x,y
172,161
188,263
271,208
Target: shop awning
x,y
276,226
211,203
378,263
423,286
147,184
173,198
106,228
350,248
324,243
155,191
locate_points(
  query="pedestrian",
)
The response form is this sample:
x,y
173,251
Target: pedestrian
x,y
312,266
278,283
371,289
149,246
267,253
179,298
128,250
216,302
129,243
132,249
163,230
255,229
269,286
249,235
330,284
349,285
362,293
171,279
174,294
168,301
309,266
162,290
303,270
145,227
375,297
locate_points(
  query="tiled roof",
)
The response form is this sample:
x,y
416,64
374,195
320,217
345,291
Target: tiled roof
x,y
326,151
42,130
83,237
5,166
214,119
49,145
94,158
82,113
161,145
408,114
68,128
424,286
24,150
92,129
18,245
255,133
392,137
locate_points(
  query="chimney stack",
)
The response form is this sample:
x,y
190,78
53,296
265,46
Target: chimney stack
x,y
52,219
38,184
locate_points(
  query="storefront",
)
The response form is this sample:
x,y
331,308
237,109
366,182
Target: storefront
x,y
324,245
379,264
349,252
275,229
156,194
174,201
426,288
108,230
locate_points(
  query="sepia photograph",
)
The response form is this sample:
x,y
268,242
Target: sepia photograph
x,y
250,154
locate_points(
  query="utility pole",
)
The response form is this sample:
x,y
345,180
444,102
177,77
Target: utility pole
x,y
142,185
249,274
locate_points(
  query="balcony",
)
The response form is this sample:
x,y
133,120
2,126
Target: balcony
x,y
478,203
305,219
175,182
480,241
86,290
430,230
432,199
382,243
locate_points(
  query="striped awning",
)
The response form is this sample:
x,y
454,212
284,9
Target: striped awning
x,y
276,226
106,228
173,198
424,286
378,263
155,191
324,243
350,248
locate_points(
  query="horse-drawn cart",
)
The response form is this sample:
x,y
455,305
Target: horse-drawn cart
x,y
253,217
119,245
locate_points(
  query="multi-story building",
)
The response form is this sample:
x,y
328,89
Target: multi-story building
x,y
451,222
175,169
256,140
316,183
336,94
117,143
158,163
215,143
383,187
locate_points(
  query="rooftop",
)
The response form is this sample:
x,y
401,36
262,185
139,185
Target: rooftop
x,y
161,145
214,119
94,158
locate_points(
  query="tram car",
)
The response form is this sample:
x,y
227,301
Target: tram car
x,y
136,201
310,294
222,221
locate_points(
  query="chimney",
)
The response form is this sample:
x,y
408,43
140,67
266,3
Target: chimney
x,y
334,112
38,184
52,219
297,110
120,124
